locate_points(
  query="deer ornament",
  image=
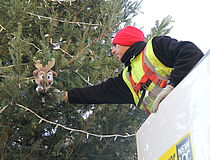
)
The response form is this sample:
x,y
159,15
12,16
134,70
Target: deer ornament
x,y
43,75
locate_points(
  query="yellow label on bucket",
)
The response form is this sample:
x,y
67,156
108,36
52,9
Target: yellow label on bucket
x,y
182,150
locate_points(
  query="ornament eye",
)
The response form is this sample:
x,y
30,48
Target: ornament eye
x,y
50,76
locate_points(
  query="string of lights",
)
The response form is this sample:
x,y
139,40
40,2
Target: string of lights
x,y
115,136
2,110
54,19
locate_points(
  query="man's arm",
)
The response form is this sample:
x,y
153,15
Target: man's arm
x,y
180,55
111,91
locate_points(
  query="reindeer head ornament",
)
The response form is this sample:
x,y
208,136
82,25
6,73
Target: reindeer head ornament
x,y
44,75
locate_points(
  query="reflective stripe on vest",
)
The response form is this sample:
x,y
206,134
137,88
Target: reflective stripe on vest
x,y
157,70
148,75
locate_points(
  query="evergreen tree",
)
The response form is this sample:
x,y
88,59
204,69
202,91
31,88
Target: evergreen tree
x,y
78,35
161,28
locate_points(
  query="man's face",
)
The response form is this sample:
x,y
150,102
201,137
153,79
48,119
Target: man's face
x,y
119,50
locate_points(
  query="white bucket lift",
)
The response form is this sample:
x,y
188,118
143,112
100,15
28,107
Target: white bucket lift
x,y
180,130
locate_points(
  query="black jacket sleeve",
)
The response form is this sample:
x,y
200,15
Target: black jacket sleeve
x,y
111,91
180,55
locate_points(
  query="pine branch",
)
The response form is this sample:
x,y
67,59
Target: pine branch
x,y
92,119
83,7
72,12
87,81
59,48
88,45
38,49
63,1
21,79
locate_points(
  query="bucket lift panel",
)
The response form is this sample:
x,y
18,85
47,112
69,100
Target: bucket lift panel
x,y
180,130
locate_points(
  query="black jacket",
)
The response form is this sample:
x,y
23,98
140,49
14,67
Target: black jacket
x,y
180,55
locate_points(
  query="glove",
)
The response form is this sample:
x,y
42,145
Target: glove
x,y
160,97
58,96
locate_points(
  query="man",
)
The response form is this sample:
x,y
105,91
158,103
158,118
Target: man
x,y
155,67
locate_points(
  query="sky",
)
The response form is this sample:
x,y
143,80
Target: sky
x,y
191,19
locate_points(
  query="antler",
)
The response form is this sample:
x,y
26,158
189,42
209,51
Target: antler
x,y
50,64
37,64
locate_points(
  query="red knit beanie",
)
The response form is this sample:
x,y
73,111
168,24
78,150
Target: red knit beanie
x,y
128,36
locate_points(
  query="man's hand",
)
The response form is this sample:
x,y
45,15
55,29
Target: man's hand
x,y
161,96
57,95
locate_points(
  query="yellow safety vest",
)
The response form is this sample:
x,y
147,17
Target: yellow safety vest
x,y
161,71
